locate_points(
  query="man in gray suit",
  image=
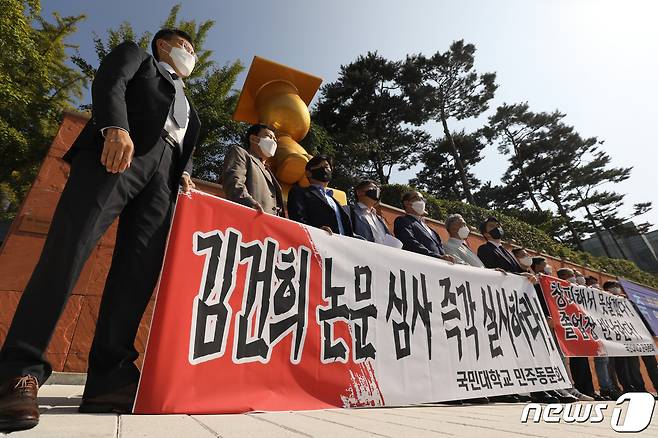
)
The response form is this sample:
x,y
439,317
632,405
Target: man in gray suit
x,y
246,178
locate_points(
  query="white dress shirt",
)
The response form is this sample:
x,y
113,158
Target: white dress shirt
x,y
370,215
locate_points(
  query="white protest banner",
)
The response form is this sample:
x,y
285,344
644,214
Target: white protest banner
x,y
256,312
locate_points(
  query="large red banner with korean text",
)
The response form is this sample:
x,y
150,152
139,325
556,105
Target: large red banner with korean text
x,y
592,322
259,313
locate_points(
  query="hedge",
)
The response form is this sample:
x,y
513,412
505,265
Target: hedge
x,y
520,233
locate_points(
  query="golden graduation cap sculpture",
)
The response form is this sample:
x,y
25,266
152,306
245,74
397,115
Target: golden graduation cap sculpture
x,y
278,96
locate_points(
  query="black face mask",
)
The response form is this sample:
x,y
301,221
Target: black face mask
x,y
373,194
321,174
496,233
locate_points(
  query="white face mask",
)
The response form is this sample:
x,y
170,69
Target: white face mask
x,y
183,60
581,281
525,261
463,232
615,290
548,270
572,280
418,207
267,146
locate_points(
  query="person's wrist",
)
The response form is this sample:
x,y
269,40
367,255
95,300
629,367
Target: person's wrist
x,y
114,132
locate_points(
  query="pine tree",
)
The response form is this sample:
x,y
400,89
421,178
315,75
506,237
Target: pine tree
x,y
365,113
446,86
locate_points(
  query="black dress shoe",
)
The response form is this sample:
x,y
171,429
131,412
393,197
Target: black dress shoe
x,y
116,402
543,397
477,401
596,396
611,394
453,402
19,409
564,397
510,398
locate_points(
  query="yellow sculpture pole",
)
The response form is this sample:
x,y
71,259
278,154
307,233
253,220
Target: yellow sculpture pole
x,y
278,96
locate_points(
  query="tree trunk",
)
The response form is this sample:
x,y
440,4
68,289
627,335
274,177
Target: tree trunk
x,y
526,181
563,213
597,231
458,161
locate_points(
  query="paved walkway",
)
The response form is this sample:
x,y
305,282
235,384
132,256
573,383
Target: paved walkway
x,y
60,419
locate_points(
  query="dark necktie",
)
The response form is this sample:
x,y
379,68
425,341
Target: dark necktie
x,y
179,112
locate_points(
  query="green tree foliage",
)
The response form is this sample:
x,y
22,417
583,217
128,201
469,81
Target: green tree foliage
x,y
550,162
514,128
446,86
601,206
365,113
439,175
36,86
210,89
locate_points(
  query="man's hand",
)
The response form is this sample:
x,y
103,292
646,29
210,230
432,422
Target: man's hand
x,y
328,230
550,322
501,270
187,183
259,208
448,258
118,150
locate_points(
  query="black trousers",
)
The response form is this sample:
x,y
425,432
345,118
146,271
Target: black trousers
x,y
582,375
143,198
629,374
652,369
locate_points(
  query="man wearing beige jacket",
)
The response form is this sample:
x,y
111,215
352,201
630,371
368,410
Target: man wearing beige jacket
x,y
246,178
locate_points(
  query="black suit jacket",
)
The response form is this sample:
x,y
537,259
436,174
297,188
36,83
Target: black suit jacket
x,y
416,238
361,225
499,257
133,91
308,206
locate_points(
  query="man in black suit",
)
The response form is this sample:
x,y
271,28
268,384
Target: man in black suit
x,y
414,233
315,204
493,254
365,219
126,163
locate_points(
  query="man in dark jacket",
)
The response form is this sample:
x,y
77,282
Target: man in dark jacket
x,y
366,221
414,233
315,205
126,163
493,254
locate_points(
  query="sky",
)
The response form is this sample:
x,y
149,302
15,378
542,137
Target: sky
x,y
595,60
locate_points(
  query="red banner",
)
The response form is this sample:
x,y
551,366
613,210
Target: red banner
x,y
592,322
169,381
